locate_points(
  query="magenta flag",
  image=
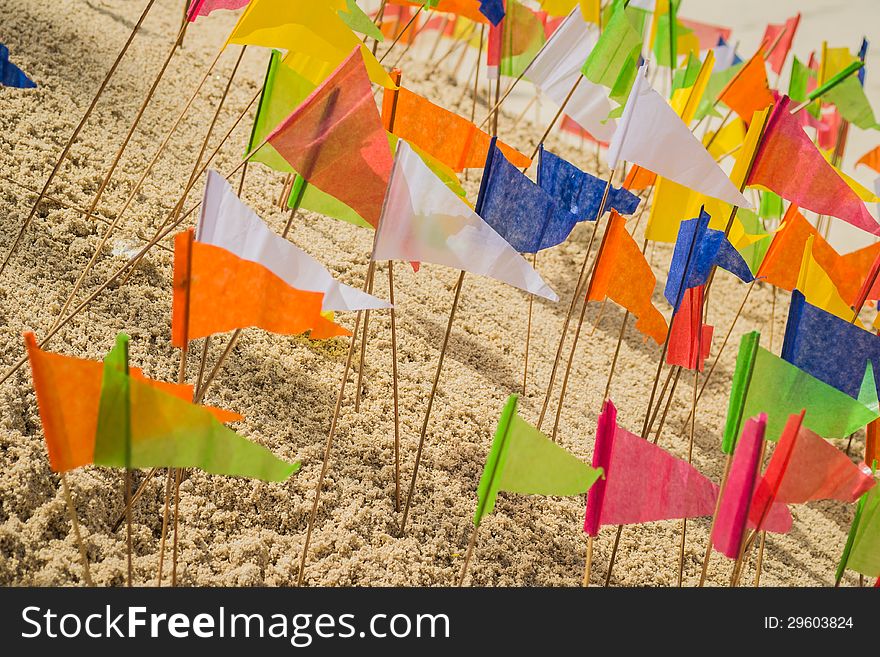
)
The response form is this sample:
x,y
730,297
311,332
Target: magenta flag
x,y
205,7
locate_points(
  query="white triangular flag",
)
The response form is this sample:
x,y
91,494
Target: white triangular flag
x,y
557,67
228,223
424,221
653,136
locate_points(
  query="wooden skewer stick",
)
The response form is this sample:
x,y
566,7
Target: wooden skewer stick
x,y
394,384
525,111
708,555
760,562
74,135
427,420
401,33
74,523
453,48
588,564
440,34
371,271
107,234
556,118
599,316
378,22
165,516
470,551
528,333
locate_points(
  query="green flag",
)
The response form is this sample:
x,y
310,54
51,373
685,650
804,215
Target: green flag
x,y
771,206
522,36
524,460
686,77
864,549
669,31
852,103
358,21
614,61
717,81
754,253
764,383
140,426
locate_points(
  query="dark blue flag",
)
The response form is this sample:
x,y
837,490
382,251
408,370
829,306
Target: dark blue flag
x,y
10,74
828,347
493,10
698,248
863,52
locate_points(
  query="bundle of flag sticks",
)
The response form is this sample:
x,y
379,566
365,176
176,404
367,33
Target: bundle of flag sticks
x,y
392,167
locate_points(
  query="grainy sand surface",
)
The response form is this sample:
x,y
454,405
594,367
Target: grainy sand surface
x,y
242,533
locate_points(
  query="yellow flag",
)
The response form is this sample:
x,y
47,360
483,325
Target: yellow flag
x,y
591,11
746,154
307,27
818,288
730,137
685,101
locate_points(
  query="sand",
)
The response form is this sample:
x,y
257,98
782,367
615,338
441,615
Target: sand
x,y
242,533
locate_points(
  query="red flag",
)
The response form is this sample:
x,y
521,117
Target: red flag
x,y
336,142
684,341
777,56
789,164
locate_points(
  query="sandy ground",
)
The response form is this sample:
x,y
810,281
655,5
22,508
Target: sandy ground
x,y
243,533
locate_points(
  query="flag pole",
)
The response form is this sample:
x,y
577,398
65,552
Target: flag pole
x,y
401,33
470,551
74,523
588,564
378,22
178,207
677,371
70,141
706,557
529,332
394,384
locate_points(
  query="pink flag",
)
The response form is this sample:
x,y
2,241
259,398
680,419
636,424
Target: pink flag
x,y
336,142
789,164
205,7
777,56
807,467
643,482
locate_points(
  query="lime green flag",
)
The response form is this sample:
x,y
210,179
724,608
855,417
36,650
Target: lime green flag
x,y
686,77
753,253
717,81
771,206
764,383
357,20
849,97
862,552
614,61
522,37
524,460
669,30
140,426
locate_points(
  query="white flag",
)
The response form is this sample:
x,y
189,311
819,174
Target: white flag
x,y
557,67
653,136
228,223
424,221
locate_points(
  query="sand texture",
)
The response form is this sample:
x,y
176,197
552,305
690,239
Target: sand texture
x,y
241,533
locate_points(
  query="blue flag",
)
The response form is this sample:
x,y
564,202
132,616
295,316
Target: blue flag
x,y
828,347
863,52
493,10
10,74
698,249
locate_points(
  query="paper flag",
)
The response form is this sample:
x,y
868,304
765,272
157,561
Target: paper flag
x,y
228,223
829,348
307,27
697,250
204,7
68,390
358,20
749,91
813,184
140,426
817,286
686,341
524,460
336,142
557,67
10,74
423,221
653,136
864,556
513,43
805,467
643,482
778,55
623,275
614,60
871,159
493,10
216,291
448,137
764,383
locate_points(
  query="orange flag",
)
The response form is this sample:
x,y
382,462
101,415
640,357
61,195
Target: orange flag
x,y
623,275
683,339
871,159
467,8
68,394
216,291
446,136
748,91
335,140
639,178
782,263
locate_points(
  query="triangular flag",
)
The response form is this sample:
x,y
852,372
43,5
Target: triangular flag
x,y
697,250
871,159
829,348
493,10
444,135
68,390
228,223
643,482
216,291
557,67
513,43
524,460
815,284
623,275
864,555
10,74
749,91
653,136
358,20
614,60
336,142
806,467
204,7
778,55
812,184
686,339
764,383
423,221
140,426
307,27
